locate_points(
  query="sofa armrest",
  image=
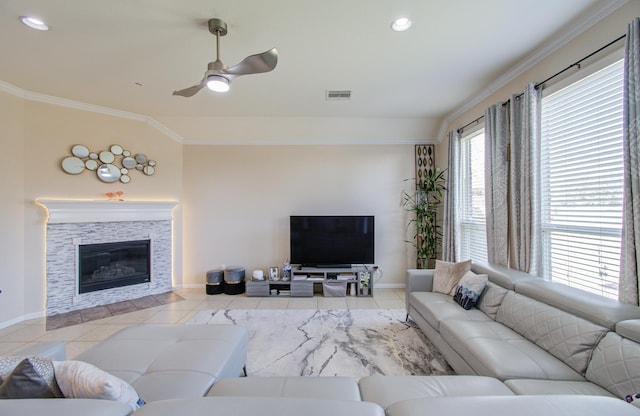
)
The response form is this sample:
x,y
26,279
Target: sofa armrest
x,y
417,280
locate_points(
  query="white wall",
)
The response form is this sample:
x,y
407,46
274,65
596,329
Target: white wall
x,y
12,160
238,200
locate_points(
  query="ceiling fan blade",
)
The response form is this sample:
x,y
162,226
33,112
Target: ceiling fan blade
x,y
255,64
191,91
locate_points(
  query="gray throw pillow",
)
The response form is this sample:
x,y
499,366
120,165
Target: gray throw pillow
x,y
32,378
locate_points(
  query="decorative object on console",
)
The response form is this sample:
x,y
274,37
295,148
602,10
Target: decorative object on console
x,y
114,196
286,270
469,289
274,273
447,275
105,163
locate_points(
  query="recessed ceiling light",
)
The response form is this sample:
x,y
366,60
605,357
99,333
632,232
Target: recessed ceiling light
x,y
401,24
34,23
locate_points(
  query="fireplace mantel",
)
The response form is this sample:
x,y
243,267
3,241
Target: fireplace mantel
x,y
77,211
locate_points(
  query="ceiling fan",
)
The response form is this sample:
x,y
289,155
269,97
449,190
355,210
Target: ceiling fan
x,y
218,76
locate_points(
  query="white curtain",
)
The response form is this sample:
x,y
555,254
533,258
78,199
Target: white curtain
x,y
496,182
630,254
450,226
524,141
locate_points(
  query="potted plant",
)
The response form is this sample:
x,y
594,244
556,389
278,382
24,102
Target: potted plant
x,y
425,203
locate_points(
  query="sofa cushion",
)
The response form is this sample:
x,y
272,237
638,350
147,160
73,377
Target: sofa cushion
x,y
436,307
491,299
386,390
629,329
32,378
513,405
615,365
335,388
447,275
538,387
494,350
594,308
566,336
63,407
469,289
262,406
80,380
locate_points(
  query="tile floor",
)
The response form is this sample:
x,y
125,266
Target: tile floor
x,y
81,336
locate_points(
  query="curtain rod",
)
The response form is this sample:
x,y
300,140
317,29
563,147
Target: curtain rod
x,y
540,84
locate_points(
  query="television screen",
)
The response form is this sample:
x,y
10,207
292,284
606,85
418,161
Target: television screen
x,y
332,241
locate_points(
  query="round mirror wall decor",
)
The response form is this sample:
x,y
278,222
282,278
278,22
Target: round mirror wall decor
x,y
72,165
111,165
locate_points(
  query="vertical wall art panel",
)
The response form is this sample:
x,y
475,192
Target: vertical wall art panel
x,y
425,161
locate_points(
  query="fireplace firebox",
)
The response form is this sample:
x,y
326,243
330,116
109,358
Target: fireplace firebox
x,y
109,265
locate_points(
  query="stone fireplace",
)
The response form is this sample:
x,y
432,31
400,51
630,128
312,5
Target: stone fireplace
x,y
101,226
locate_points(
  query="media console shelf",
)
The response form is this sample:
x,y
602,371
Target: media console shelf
x,y
303,280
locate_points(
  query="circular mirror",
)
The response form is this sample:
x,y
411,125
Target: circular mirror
x,y
126,153
149,170
108,173
93,156
152,163
140,158
116,149
124,171
72,165
80,150
129,162
106,156
91,164
139,166
125,179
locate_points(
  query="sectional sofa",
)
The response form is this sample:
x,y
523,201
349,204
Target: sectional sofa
x,y
535,336
528,348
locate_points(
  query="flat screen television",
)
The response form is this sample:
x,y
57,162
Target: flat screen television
x,y
331,240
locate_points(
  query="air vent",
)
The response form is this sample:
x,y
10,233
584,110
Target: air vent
x,y
334,95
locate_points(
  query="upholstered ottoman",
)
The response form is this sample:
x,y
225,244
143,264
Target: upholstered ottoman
x,y
386,390
172,361
337,388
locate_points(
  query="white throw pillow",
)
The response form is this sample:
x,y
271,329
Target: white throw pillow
x,y
447,275
80,380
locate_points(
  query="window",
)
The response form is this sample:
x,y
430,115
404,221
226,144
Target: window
x,y
473,235
582,182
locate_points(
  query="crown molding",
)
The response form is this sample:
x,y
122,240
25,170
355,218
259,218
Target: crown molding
x,y
308,142
602,10
77,105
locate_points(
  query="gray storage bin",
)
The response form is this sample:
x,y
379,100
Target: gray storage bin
x,y
334,289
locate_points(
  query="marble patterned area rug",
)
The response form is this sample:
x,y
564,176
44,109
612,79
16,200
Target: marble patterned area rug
x,y
354,343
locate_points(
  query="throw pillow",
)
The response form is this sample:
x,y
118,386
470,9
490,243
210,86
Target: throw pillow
x,y
80,380
32,378
447,275
470,288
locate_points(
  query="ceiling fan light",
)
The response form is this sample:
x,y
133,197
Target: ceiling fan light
x,y
217,83
401,24
34,23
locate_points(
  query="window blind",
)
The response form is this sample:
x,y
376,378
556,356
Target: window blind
x,y
581,182
473,237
